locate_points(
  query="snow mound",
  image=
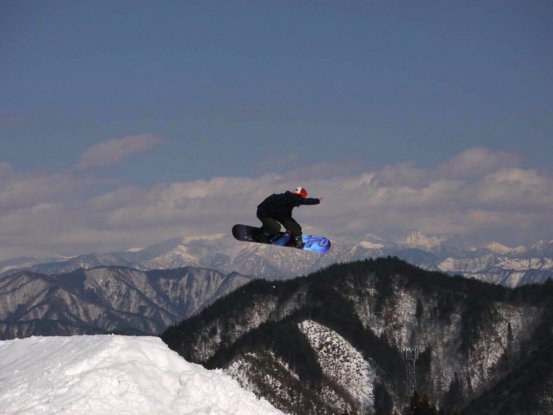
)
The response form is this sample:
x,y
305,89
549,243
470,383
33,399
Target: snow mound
x,y
116,375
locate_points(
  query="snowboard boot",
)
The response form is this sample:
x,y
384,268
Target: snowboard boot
x,y
298,242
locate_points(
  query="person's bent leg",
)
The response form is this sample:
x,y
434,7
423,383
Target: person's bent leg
x,y
268,228
295,231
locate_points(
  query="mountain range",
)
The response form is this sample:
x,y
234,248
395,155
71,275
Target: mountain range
x,y
491,262
337,341
107,300
361,337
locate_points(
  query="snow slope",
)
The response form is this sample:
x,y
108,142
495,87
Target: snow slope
x,y
341,361
116,375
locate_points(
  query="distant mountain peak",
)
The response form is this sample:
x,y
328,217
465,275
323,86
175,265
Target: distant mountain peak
x,y
504,249
371,245
373,237
372,241
543,244
421,240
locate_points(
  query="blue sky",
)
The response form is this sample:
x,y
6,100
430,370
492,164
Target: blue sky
x,y
176,92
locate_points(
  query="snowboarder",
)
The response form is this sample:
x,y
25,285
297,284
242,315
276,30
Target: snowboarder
x,y
277,209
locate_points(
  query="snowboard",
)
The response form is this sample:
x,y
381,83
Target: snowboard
x,y
311,243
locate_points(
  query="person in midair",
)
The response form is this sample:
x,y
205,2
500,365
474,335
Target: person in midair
x,y
277,209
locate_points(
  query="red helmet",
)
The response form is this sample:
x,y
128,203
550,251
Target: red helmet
x,y
302,191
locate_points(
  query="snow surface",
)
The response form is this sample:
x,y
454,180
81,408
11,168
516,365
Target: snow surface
x,y
115,375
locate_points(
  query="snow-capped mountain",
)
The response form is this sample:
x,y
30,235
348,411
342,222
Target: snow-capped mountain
x,y
371,241
542,248
97,375
504,249
491,262
417,239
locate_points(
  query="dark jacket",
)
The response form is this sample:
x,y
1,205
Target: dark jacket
x,y
280,205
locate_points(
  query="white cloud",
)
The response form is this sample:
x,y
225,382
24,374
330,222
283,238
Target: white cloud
x,y
21,190
475,162
113,151
515,188
505,202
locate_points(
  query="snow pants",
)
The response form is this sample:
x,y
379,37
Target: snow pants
x,y
272,225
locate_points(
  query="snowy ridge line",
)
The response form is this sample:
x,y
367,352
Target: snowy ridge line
x,y
494,262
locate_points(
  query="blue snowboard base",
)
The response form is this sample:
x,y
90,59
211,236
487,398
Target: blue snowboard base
x,y
312,243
